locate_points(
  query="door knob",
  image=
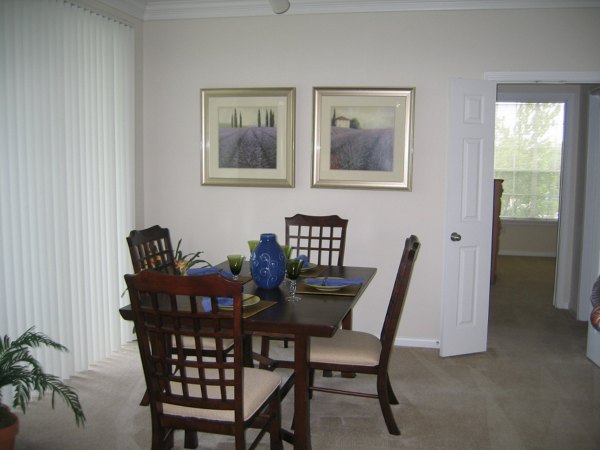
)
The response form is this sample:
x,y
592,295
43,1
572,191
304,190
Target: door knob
x,y
455,237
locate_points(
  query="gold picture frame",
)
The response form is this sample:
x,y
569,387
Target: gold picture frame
x,y
363,138
248,136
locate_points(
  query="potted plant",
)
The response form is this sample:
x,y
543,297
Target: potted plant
x,y
185,262
19,369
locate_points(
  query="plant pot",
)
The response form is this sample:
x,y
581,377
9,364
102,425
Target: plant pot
x,y
9,433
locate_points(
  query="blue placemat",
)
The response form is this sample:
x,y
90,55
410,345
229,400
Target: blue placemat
x,y
195,271
223,302
334,281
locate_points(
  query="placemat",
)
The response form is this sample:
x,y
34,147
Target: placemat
x,y
303,288
255,309
313,272
244,278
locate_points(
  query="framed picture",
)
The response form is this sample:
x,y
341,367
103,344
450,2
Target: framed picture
x,y
248,137
363,137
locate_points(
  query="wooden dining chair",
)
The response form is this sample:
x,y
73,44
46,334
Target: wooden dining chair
x,y
152,249
363,353
322,239
209,394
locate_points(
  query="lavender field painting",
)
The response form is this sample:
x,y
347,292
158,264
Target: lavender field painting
x,y
247,138
353,149
362,138
248,148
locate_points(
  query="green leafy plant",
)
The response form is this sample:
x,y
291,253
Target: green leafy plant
x,y
185,262
19,369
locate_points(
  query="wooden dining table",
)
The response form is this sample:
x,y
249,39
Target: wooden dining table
x,y
318,314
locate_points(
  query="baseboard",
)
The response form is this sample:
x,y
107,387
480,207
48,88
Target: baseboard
x,y
422,343
527,253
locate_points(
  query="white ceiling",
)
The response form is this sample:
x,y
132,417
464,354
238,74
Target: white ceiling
x,y
195,9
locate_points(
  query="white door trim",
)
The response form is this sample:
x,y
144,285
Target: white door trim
x,y
590,252
542,77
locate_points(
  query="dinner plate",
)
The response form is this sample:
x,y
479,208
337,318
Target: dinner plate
x,y
321,287
247,301
310,266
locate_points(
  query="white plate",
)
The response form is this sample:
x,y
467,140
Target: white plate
x,y
320,287
247,301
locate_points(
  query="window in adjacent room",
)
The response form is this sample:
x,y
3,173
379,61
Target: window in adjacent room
x,y
528,150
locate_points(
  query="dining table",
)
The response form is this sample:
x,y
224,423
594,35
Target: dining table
x,y
319,313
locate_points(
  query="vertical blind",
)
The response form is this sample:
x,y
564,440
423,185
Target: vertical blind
x,y
66,177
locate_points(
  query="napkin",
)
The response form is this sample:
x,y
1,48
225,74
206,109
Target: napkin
x,y
208,270
221,301
304,259
333,281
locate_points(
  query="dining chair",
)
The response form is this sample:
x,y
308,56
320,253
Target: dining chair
x,y
322,239
364,353
209,394
152,249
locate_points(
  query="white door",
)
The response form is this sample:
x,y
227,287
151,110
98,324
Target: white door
x,y
468,228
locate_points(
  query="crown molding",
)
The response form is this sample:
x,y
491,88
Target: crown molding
x,y
201,9
134,8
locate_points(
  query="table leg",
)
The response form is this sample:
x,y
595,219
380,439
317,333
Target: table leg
x,y
347,325
301,401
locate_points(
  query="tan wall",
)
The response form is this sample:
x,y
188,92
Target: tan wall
x,y
528,238
405,49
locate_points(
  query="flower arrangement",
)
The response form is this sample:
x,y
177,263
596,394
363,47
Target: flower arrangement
x,y
185,262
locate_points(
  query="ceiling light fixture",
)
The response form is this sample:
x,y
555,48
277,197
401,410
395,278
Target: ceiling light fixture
x,y
279,6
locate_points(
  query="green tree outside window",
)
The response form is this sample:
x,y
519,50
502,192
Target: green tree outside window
x,y
528,151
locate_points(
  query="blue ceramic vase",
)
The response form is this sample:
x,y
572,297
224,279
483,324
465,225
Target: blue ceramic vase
x,y
267,263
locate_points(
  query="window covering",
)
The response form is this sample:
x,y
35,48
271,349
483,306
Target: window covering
x,y
66,177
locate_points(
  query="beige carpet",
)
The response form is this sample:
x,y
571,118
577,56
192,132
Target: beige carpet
x,y
533,389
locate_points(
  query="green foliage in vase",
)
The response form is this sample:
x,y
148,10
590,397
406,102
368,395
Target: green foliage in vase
x,y
185,262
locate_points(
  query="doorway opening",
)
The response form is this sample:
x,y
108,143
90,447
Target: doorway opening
x,y
543,177
530,128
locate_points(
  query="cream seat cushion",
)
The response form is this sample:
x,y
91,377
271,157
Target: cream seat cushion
x,y
207,343
346,347
258,385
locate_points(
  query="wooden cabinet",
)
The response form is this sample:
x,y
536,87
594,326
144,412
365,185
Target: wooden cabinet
x,y
496,226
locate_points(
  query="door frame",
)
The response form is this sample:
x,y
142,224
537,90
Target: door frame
x,y
590,253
